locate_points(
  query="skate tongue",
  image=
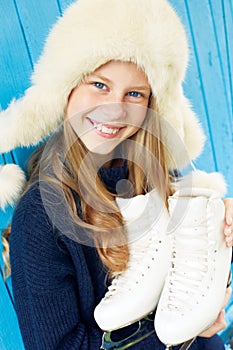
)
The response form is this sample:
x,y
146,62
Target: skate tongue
x,y
141,207
141,213
132,208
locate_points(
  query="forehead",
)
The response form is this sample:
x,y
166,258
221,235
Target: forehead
x,y
118,70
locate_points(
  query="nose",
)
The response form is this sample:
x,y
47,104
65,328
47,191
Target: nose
x,y
114,110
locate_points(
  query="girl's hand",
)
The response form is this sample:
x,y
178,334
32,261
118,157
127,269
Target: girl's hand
x,y
220,322
228,230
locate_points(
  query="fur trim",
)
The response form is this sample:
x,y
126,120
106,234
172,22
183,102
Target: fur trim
x,y
12,181
200,183
149,34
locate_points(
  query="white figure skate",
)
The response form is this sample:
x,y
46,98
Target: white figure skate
x,y
195,286
135,293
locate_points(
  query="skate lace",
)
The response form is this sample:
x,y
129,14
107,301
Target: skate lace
x,y
189,265
142,253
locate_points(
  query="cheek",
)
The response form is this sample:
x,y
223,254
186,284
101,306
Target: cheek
x,y
71,111
82,104
143,116
78,101
72,106
136,119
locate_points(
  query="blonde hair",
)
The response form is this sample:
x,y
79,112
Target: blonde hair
x,y
104,218
6,253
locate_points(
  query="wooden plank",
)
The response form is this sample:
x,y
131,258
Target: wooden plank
x,y
8,157
15,63
192,88
63,4
10,337
36,18
2,159
228,26
24,27
33,20
5,217
1,259
213,90
22,156
217,12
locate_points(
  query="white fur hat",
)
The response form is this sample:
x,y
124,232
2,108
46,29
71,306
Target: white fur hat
x,y
91,33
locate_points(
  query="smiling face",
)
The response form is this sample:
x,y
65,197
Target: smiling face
x,y
110,106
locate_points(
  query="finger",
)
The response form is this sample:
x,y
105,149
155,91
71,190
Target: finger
x,y
229,211
228,232
229,241
228,229
220,322
216,327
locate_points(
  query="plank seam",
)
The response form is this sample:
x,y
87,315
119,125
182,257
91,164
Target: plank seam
x,y
202,85
23,33
219,52
228,54
59,7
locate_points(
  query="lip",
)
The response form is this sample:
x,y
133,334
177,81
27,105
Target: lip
x,y
116,129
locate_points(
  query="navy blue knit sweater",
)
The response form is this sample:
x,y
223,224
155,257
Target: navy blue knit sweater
x,y
57,282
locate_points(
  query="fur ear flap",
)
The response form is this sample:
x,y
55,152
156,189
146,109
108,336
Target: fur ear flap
x,y
194,137
25,122
181,131
12,181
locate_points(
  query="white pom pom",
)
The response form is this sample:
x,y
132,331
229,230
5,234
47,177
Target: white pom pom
x,y
12,181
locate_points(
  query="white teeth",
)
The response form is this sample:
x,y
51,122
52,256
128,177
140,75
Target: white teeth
x,y
104,129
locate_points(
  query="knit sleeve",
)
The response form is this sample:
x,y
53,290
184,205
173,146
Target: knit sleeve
x,y
45,284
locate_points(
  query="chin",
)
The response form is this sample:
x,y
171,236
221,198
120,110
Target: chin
x,y
104,149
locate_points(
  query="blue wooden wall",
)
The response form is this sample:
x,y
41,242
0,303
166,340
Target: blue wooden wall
x,y
24,26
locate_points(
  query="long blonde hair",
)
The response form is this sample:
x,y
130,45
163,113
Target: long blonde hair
x,y
6,253
81,177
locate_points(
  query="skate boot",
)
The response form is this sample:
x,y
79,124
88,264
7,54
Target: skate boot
x,y
195,286
134,293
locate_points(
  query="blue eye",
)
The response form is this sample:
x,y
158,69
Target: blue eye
x,y
99,85
134,94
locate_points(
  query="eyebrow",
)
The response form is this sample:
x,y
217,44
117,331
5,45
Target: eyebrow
x,y
99,76
141,88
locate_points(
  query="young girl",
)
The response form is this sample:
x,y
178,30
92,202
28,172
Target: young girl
x,y
112,70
